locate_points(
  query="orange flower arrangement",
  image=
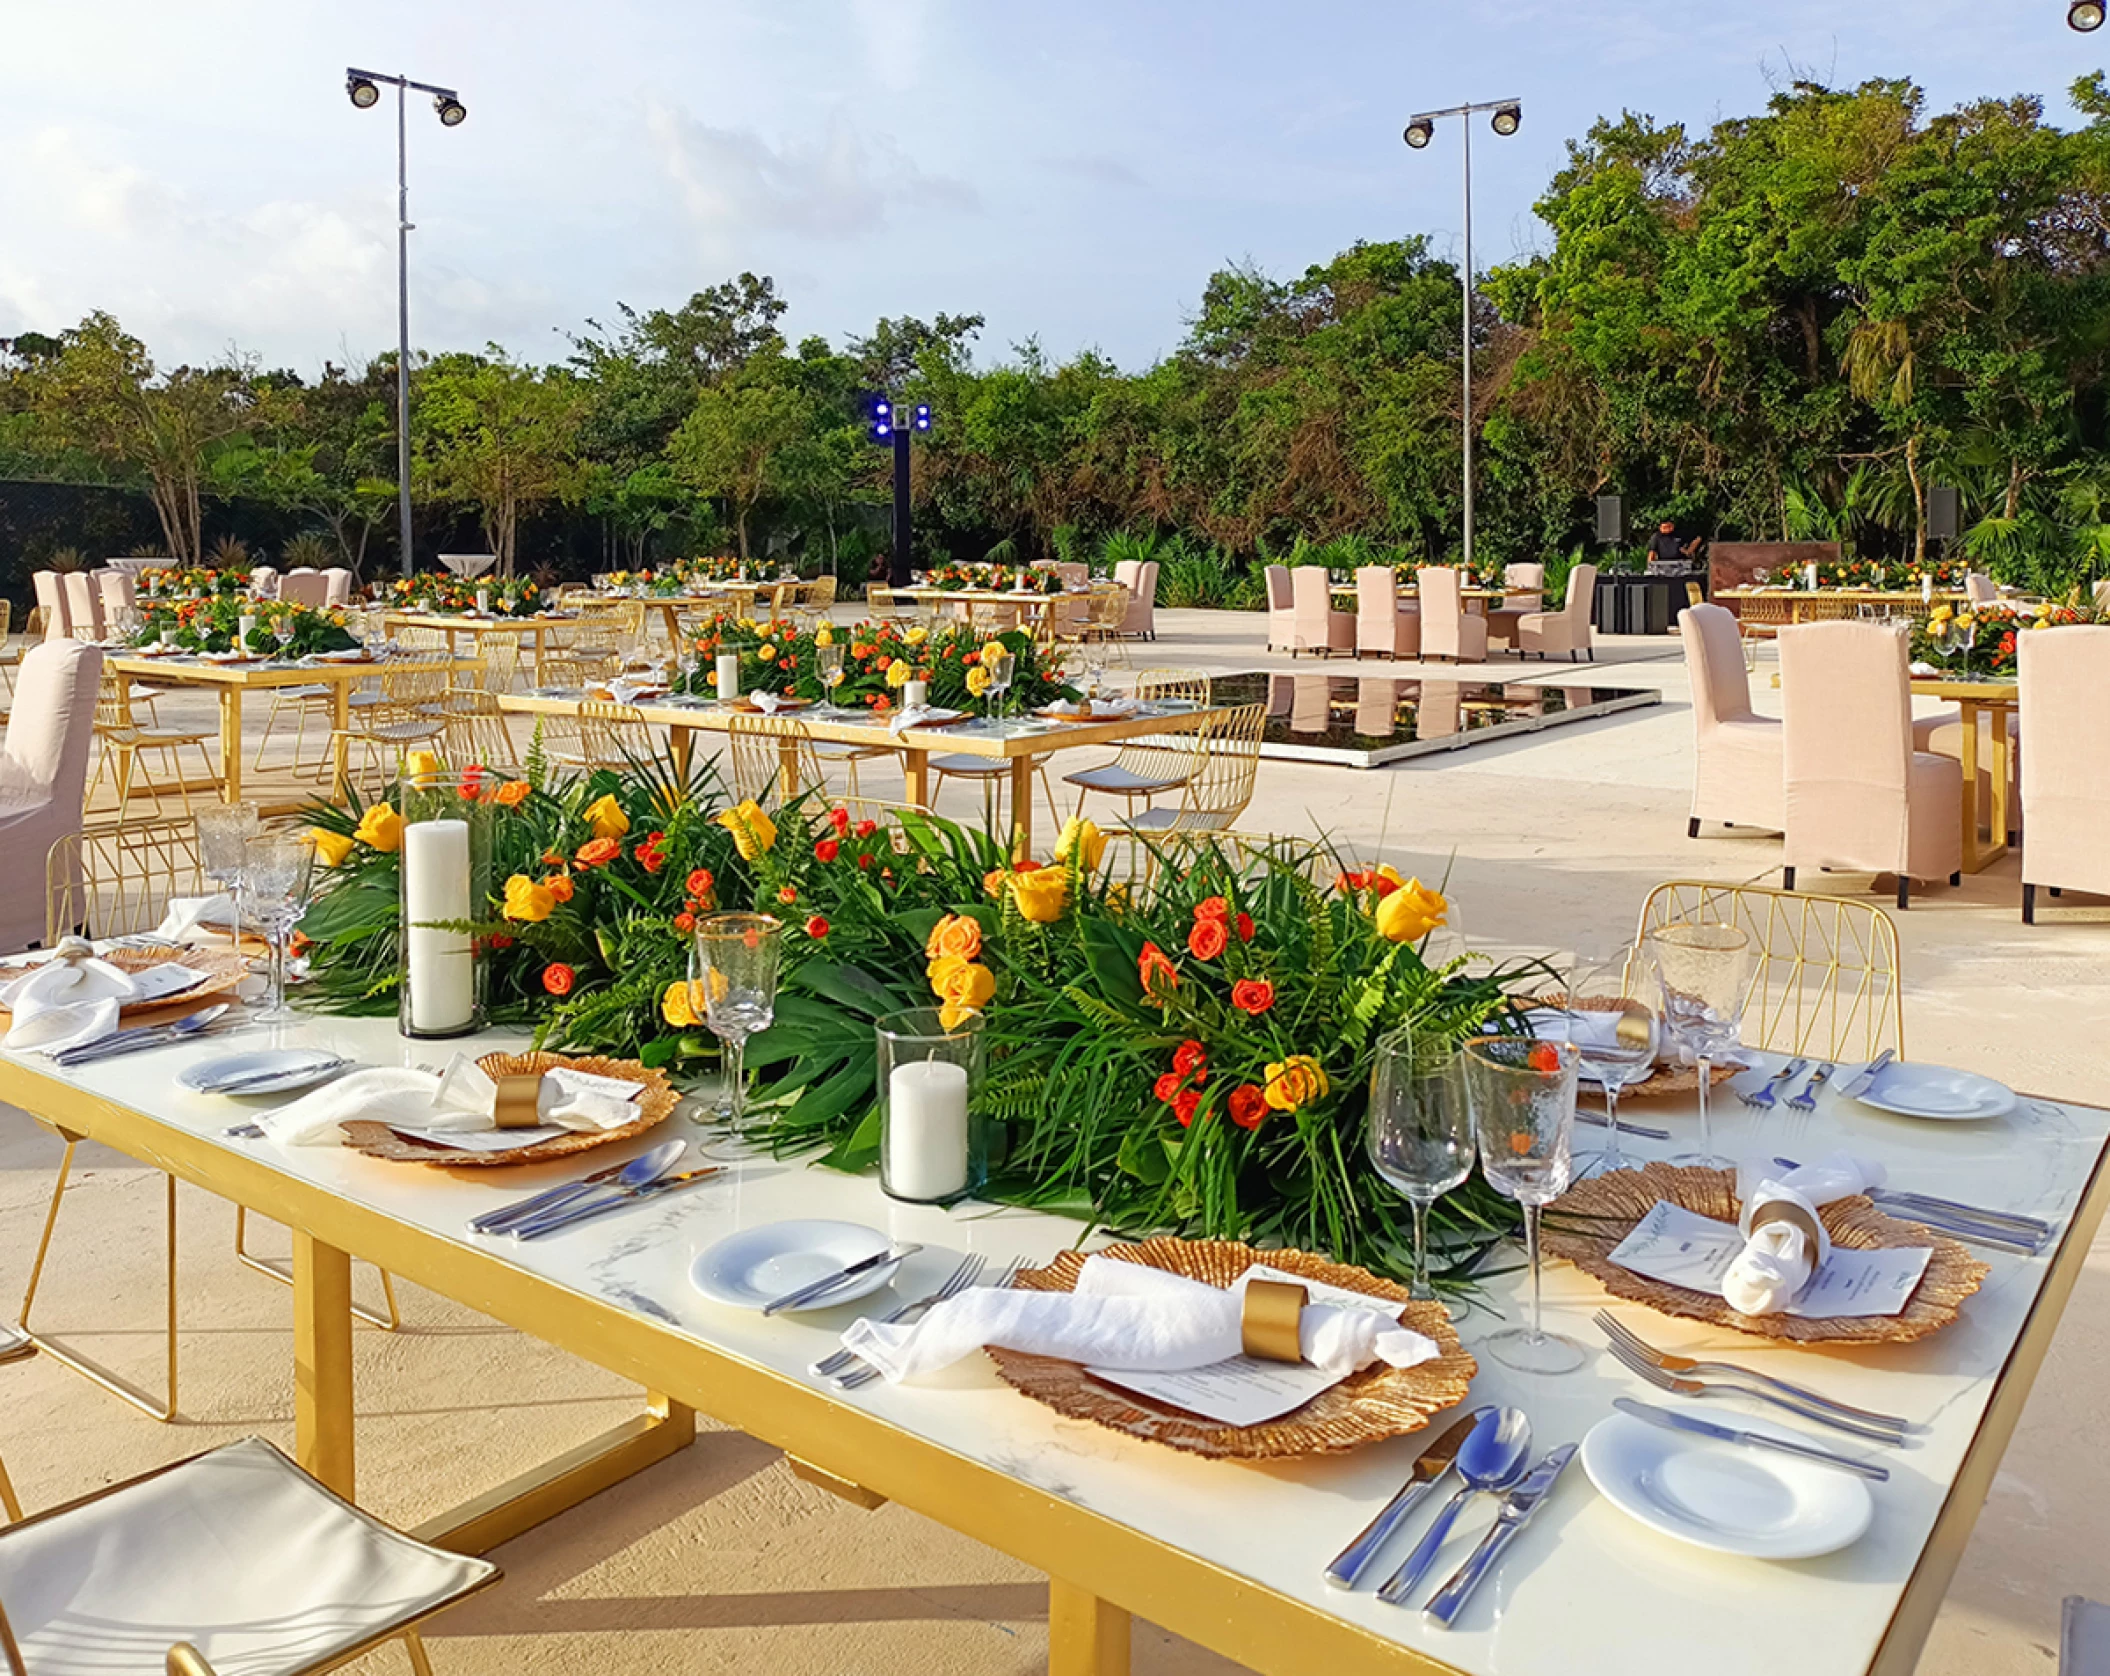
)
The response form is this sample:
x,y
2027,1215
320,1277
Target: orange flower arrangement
x,y
598,852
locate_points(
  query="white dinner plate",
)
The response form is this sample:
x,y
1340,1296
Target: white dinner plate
x,y
1939,1094
758,1265
286,1069
1726,1496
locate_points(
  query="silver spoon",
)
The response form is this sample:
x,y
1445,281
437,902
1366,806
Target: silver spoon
x,y
641,1171
146,1036
1492,1459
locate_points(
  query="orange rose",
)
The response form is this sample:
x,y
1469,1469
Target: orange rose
x,y
1156,970
512,792
1208,939
559,885
956,934
598,852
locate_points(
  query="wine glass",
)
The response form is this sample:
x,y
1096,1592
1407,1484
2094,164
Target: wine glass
x,y
831,666
733,989
1703,975
282,631
277,868
1617,1035
1420,1133
1001,669
224,831
1522,1093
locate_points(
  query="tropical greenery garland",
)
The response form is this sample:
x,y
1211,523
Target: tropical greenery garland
x,y
1190,1053
1002,578
210,622
190,582
1995,633
448,594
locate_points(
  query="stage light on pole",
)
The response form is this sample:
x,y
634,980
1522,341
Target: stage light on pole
x,y
453,113
362,92
1419,132
887,431
923,416
1507,119
2085,15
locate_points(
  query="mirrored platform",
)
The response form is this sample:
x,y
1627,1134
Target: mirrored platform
x,y
1366,721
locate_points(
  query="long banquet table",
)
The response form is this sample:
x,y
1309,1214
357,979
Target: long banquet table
x,y
1229,1556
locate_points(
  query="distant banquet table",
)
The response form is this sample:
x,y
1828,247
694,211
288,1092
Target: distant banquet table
x,y
476,625
1765,609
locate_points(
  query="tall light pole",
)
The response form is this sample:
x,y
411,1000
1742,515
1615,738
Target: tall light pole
x,y
362,87
887,428
1507,118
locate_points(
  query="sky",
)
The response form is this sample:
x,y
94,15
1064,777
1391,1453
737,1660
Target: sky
x,y
1073,172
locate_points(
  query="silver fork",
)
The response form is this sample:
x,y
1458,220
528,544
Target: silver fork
x,y
1806,1101
1762,1097
1622,1335
865,1374
1684,1386
968,1271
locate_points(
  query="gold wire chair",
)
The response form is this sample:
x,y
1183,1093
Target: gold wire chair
x,y
1151,764
771,759
1828,983
116,881
882,606
126,742
411,712
1215,794
600,734
9,655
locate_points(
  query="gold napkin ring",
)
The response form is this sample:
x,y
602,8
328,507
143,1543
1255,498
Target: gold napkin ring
x,y
1267,1326
519,1101
1786,1210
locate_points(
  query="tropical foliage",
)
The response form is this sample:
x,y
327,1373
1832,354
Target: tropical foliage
x,y
1983,640
450,595
210,622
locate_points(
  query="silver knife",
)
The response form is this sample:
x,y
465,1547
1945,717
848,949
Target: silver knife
x,y
829,1282
1753,1440
265,1079
1864,1079
571,1215
1435,1461
1517,1508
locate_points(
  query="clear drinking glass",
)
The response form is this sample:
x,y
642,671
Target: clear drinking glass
x,y
282,631
277,869
1703,976
1522,1093
733,989
1001,669
1420,1133
224,831
933,1145
1617,1035
831,667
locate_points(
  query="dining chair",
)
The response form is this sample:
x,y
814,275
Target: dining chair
x,y
1737,775
1828,984
1281,610
1141,622
84,605
1859,797
882,606
1105,614
1979,588
263,581
1448,630
44,758
119,595
10,656
1502,620
1383,624
230,1561
409,713
1316,626
771,759
128,744
51,600
337,587
1149,765
1568,629
310,588
1227,762
601,734
2065,676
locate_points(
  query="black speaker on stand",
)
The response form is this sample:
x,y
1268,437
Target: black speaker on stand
x,y
1944,514
1611,520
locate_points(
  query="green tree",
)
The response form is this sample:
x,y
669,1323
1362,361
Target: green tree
x,y
739,444
501,437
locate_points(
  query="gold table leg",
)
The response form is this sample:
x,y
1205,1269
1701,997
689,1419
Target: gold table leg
x,y
322,1362
1086,1636
231,743
1022,806
915,776
1979,854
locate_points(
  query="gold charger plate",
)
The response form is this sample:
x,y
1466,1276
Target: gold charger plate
x,y
1378,1402
1616,1202
223,969
1664,1080
378,1140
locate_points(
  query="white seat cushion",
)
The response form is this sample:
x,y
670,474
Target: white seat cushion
x,y
237,1552
1166,820
1111,776
960,762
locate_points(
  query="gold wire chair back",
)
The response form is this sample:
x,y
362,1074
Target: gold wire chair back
x,y
116,881
771,758
601,735
1226,765
501,662
1828,983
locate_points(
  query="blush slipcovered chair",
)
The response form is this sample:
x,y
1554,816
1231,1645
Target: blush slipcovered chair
x,y
1568,629
1502,620
120,594
1737,770
339,589
1281,610
1979,588
44,769
1316,625
1382,624
84,606
51,600
305,587
1859,797
2066,770
1448,630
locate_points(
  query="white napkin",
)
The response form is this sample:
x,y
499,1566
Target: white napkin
x,y
70,999
410,1100
768,703
1778,1259
569,1099
183,922
1924,669
1586,1027
1123,1316
915,715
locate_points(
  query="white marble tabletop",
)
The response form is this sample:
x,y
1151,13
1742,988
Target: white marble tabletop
x,y
1584,1587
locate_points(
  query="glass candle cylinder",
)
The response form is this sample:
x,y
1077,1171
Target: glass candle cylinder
x,y
483,602
933,1148
728,677
446,869
915,694
244,627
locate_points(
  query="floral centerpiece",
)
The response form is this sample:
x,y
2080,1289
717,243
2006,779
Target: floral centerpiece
x,y
879,659
1993,632
446,594
1002,578
1894,576
683,575
1191,1053
190,582
209,623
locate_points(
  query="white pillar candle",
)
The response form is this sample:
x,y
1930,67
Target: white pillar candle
x,y
242,628
483,602
1926,589
915,694
1809,577
728,677
440,968
926,1156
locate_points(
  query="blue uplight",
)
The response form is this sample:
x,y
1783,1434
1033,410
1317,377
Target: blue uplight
x,y
922,416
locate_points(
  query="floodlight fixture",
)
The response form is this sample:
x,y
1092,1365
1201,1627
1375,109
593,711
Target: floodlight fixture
x,y
1419,132
1507,119
361,91
453,113
2085,15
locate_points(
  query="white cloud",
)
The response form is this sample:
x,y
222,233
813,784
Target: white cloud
x,y
839,186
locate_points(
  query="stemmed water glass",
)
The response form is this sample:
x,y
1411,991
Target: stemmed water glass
x,y
1617,1035
830,659
1522,1093
282,631
224,831
277,869
1703,977
1420,1133
733,989
1001,669
1954,637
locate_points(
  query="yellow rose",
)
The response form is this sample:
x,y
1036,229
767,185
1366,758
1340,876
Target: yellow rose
x,y
528,899
381,827
753,831
1084,839
995,649
824,636
766,652
958,935
977,680
961,984
422,768
1940,614
1410,913
606,817
674,1005
1296,1081
900,673
332,847
916,634
1041,896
